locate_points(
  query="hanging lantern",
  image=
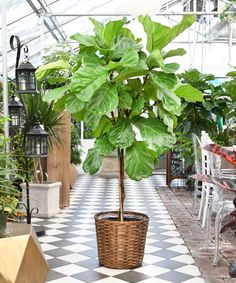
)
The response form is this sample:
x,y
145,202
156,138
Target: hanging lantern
x,y
15,112
37,142
25,78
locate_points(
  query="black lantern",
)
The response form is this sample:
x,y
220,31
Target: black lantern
x,y
15,112
25,78
25,71
37,142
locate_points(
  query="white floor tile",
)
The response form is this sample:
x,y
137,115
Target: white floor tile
x,y
70,269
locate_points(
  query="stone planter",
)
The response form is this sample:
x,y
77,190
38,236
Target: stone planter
x,y
44,196
73,174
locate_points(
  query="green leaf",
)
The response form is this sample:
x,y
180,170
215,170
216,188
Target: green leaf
x,y
139,70
125,100
169,119
137,106
59,105
103,127
155,60
73,104
87,80
158,35
92,162
139,161
150,89
58,80
99,29
103,146
155,133
84,39
174,52
92,119
164,80
49,68
231,74
121,45
111,30
92,61
79,116
56,93
171,102
189,93
129,59
104,100
170,68
122,135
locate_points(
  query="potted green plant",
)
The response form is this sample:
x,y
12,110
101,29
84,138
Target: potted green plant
x,y
130,98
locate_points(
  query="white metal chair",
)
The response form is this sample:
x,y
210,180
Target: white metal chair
x,y
222,202
206,187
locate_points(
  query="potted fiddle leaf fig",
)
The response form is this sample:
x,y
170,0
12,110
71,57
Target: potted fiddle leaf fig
x,y
130,97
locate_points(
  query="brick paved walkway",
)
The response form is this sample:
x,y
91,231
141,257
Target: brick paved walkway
x,y
179,205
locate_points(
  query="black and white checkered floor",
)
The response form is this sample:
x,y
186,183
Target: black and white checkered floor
x,y
70,243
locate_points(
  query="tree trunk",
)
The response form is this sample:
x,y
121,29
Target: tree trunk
x,y
121,183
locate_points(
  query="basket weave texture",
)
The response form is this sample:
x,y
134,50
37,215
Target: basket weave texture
x,y
121,244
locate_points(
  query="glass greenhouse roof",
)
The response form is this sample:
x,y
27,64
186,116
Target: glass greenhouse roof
x,y
42,23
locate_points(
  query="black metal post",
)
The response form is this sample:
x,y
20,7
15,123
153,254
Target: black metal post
x,y
28,213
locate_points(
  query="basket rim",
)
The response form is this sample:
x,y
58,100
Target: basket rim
x,y
98,215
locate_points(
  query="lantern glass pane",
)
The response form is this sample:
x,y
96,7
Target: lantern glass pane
x,y
31,81
22,80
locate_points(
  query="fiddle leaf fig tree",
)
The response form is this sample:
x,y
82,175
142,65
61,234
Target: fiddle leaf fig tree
x,y
129,96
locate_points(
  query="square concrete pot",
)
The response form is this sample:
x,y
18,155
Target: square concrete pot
x,y
44,196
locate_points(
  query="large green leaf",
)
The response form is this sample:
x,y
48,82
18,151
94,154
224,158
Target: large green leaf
x,y
99,29
174,52
111,30
125,100
122,135
154,132
189,93
156,59
139,161
49,68
87,80
92,119
121,45
84,39
103,146
92,162
169,119
165,80
158,35
137,106
104,100
73,104
129,59
103,127
171,102
56,93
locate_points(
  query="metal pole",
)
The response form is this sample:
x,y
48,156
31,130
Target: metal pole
x,y
4,68
200,13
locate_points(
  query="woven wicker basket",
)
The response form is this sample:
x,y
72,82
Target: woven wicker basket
x,y
121,244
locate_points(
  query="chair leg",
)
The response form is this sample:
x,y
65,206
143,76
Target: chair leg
x,y
208,225
195,196
205,207
201,204
218,223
